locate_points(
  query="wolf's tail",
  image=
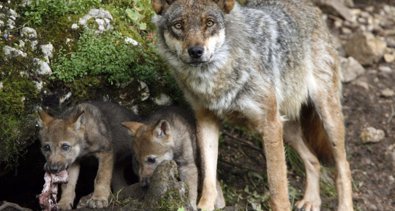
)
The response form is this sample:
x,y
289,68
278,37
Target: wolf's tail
x,y
315,135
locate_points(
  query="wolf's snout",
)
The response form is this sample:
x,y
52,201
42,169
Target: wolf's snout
x,y
196,52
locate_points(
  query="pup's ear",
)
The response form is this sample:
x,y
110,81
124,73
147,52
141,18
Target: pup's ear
x,y
162,129
225,5
45,118
160,6
132,126
77,120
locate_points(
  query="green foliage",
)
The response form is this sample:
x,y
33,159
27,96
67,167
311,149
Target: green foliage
x,y
41,11
16,116
106,54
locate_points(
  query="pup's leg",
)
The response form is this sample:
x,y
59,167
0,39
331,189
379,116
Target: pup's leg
x,y
102,188
272,133
68,189
311,200
207,139
189,174
328,107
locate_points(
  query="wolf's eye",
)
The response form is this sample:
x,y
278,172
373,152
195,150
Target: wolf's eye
x,y
46,148
65,147
151,160
210,23
177,25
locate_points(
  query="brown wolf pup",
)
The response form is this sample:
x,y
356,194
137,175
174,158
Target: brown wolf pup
x,y
169,134
92,128
270,65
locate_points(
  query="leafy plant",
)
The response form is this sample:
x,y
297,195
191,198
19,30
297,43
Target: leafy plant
x,y
40,11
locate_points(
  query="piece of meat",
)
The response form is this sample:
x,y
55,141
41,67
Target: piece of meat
x,y
48,196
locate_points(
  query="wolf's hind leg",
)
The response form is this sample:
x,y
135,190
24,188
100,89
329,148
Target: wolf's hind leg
x,y
68,189
293,136
102,188
329,109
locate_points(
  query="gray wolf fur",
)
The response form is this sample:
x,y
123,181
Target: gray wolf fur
x,y
88,129
169,134
270,65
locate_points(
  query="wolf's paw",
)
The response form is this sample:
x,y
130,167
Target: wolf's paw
x,y
206,204
305,205
97,202
65,205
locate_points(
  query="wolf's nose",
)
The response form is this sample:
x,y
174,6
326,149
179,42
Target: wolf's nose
x,y
196,52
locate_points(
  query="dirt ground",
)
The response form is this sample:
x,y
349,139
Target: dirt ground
x,y
241,164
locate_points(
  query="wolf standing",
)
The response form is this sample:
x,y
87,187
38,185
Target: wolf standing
x,y
258,64
92,128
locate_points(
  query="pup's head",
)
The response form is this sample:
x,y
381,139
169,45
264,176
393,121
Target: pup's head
x,y
193,30
60,140
152,145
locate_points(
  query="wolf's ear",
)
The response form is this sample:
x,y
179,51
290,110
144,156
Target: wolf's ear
x,y
45,118
77,120
162,129
160,6
132,126
225,5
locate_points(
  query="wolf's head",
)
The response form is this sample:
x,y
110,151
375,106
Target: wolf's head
x,y
61,140
192,30
152,145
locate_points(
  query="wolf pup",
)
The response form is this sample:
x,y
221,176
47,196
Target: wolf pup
x,y
92,128
169,134
261,64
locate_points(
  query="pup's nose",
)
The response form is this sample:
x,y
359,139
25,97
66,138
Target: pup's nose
x,y
53,168
196,52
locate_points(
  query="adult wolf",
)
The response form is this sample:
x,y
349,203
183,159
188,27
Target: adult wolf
x,y
270,64
91,128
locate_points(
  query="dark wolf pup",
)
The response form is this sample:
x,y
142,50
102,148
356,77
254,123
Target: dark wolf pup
x,y
270,65
169,134
91,128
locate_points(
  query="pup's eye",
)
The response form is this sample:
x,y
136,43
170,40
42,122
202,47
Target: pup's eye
x,y
177,25
46,148
210,23
151,160
65,147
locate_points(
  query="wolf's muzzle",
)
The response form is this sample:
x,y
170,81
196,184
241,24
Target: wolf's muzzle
x,y
195,52
54,167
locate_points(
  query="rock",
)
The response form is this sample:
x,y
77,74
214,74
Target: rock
x,y
1,85
345,30
10,52
385,69
163,99
389,57
371,135
387,93
129,40
336,8
47,50
351,69
42,67
365,48
102,18
29,33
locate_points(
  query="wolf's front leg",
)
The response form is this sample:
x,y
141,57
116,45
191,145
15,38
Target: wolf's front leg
x,y
102,188
189,174
207,139
272,130
68,189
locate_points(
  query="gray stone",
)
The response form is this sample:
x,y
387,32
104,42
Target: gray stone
x,y
47,50
28,32
387,93
365,47
351,69
372,135
10,52
42,67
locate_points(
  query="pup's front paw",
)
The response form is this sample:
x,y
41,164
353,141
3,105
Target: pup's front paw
x,y
97,202
65,204
306,205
